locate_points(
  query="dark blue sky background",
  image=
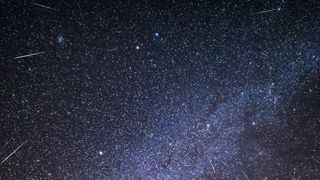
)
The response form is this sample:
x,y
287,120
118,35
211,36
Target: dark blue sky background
x,y
160,90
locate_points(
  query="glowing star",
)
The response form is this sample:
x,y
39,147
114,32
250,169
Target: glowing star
x,y
137,47
208,126
60,39
100,152
157,34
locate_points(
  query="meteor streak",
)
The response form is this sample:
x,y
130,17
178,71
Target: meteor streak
x,y
266,11
46,7
29,55
5,159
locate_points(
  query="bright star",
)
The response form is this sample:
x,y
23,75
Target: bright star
x,y
60,39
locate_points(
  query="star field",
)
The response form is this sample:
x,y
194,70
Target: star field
x,y
160,90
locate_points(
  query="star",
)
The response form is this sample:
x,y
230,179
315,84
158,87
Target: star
x,y
60,39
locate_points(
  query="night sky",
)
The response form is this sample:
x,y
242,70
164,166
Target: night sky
x,y
160,89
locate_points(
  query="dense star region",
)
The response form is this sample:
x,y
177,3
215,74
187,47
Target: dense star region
x,y
160,89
